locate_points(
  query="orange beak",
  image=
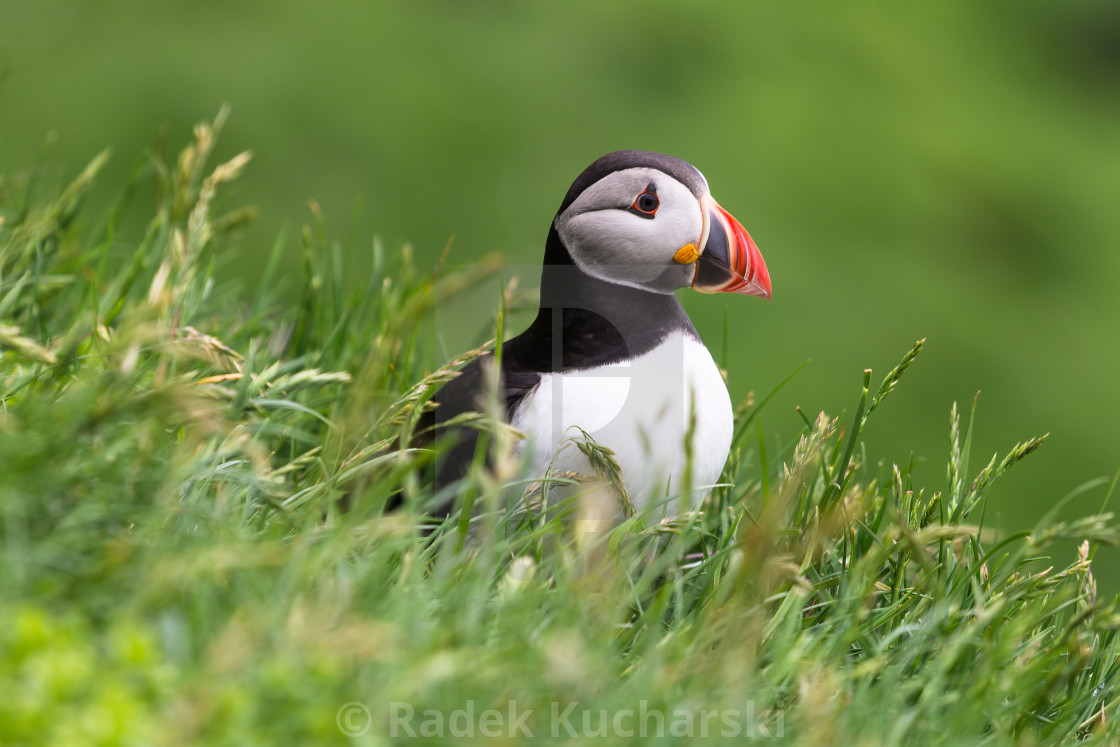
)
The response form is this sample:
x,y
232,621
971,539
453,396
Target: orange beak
x,y
729,259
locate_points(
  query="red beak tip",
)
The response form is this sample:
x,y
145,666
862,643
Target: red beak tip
x,y
745,269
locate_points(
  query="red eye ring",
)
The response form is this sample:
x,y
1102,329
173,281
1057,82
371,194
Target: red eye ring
x,y
646,204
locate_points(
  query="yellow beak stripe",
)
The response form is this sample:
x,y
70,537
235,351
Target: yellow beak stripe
x,y
687,254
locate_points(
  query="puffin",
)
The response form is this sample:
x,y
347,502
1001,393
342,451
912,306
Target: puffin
x,y
611,355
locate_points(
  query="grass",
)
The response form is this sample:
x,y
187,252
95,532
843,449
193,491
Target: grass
x,y
196,551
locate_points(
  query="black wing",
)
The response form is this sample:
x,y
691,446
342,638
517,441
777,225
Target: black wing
x,y
464,394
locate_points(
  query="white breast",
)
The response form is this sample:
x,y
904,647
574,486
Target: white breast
x,y
641,409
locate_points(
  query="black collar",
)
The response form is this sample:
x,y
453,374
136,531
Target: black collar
x,y
585,322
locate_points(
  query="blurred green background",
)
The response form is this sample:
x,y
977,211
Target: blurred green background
x,y
946,170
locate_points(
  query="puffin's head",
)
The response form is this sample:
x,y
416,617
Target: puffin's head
x,y
647,220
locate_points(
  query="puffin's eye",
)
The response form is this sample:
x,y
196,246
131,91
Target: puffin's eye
x,y
646,203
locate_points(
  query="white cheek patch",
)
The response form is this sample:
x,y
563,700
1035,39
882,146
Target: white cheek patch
x,y
611,243
615,245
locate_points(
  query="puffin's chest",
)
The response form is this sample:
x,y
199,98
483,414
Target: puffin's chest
x,y
643,410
